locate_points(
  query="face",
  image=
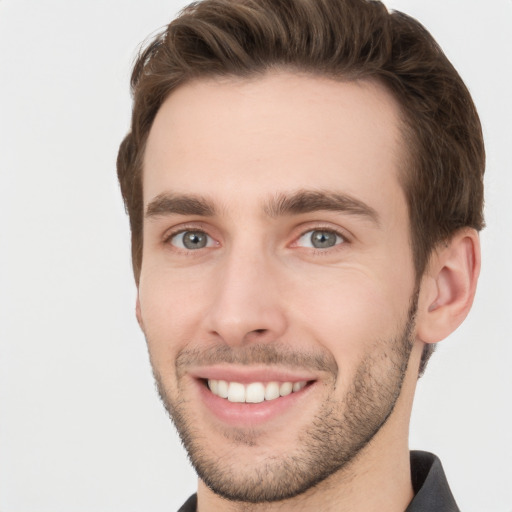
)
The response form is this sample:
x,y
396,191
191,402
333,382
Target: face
x,y
277,290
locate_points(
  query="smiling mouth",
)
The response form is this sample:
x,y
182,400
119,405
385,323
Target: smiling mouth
x,y
254,392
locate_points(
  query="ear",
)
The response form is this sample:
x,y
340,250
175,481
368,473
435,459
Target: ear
x,y
448,286
138,313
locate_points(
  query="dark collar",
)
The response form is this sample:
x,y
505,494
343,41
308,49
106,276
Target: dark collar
x,y
190,505
431,491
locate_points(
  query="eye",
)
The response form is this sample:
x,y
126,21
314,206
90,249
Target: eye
x,y
320,239
191,240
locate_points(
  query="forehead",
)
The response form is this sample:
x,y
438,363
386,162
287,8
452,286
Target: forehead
x,y
244,138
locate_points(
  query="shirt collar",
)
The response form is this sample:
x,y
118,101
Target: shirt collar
x,y
431,490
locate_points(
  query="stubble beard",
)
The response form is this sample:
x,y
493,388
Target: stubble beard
x,y
337,434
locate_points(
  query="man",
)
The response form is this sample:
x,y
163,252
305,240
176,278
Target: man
x,y
304,185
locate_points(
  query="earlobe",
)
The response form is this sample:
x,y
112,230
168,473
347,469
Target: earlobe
x,y
448,286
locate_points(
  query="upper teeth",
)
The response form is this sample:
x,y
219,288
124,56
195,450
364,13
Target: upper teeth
x,y
255,392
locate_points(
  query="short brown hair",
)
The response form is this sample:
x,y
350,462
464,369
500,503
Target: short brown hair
x,y
340,39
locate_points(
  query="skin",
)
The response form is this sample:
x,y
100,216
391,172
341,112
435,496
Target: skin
x,y
259,286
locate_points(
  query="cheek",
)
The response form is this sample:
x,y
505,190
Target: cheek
x,y
171,308
349,313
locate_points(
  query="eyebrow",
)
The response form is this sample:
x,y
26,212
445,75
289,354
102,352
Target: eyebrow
x,y
302,201
168,204
305,201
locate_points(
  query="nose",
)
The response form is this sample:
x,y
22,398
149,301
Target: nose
x,y
246,306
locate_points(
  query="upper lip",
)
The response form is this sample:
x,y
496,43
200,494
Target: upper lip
x,y
248,374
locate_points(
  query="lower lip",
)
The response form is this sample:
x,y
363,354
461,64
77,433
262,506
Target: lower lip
x,y
247,414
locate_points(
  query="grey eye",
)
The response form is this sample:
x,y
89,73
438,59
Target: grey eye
x,y
323,239
191,240
320,239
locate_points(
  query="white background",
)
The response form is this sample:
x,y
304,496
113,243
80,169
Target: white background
x,y
81,428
